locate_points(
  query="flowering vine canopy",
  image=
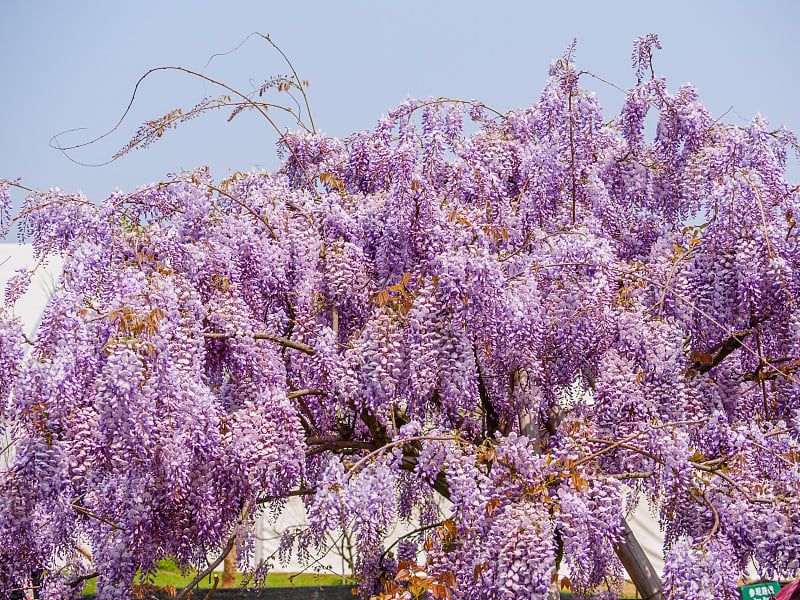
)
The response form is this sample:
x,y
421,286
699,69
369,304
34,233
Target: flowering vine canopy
x,y
542,320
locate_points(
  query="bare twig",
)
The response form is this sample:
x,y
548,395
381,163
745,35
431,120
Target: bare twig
x,y
7,446
609,446
384,448
245,99
760,368
225,551
305,392
89,513
213,587
296,78
722,475
410,533
636,449
715,527
297,492
82,578
246,207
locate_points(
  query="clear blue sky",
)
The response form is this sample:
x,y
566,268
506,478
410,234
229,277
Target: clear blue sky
x,y
73,64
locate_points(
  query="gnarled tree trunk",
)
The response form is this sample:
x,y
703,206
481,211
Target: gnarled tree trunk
x,y
229,570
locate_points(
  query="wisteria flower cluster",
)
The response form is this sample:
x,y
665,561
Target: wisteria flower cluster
x,y
539,321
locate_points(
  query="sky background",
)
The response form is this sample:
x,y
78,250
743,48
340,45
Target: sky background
x,y
68,65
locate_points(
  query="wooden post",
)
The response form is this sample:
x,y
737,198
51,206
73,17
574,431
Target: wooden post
x,y
529,427
630,553
638,566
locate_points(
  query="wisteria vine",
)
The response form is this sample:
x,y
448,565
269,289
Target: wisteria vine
x,y
540,321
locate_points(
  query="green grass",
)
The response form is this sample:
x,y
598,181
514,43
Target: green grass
x,y
169,574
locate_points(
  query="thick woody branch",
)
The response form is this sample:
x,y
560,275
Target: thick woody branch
x,y
409,463
320,445
376,428
768,374
307,419
305,392
285,342
290,494
732,343
491,419
335,321
82,578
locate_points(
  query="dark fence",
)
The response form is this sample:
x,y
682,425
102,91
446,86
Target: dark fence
x,y
328,592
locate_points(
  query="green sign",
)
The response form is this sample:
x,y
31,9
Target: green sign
x,y
760,591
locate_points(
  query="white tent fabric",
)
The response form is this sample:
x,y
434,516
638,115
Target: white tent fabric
x,y
268,537
268,532
646,529
14,257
